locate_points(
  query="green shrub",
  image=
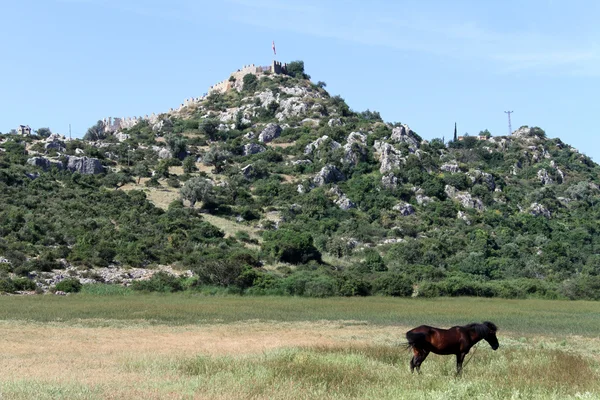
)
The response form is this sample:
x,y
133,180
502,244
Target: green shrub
x,y
290,246
159,282
6,285
69,285
393,284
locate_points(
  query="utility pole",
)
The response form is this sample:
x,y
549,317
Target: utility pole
x,y
509,124
69,131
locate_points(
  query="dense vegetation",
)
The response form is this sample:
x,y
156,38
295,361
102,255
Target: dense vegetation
x,y
511,217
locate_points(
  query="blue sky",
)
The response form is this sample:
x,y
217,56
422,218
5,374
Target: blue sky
x,y
425,63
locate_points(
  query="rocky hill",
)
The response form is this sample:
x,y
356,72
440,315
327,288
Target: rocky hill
x,y
273,186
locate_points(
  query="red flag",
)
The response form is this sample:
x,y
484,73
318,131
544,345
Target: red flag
x,y
274,52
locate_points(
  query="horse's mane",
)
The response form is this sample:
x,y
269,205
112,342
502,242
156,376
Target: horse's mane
x,y
482,330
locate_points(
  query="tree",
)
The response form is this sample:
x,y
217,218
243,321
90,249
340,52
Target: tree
x,y
177,145
216,157
290,246
321,84
116,180
162,169
44,132
296,69
455,136
196,189
209,127
189,164
141,170
95,132
250,82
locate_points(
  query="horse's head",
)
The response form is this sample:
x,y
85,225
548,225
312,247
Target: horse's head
x,y
491,336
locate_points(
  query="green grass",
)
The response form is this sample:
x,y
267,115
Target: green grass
x,y
381,372
520,316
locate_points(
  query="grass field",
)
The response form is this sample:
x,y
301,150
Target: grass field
x,y
188,346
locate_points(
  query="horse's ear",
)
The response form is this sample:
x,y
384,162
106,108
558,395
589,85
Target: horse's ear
x,y
491,326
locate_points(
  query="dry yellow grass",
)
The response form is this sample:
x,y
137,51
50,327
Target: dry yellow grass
x,y
271,360
107,356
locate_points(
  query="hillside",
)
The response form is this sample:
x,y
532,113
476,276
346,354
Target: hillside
x,y
288,191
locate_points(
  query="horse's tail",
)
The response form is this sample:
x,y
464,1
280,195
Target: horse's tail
x,y
416,339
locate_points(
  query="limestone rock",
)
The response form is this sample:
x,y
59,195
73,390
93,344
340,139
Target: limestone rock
x,y
335,122
462,215
355,149
482,178
44,163
464,198
292,107
301,162
389,181
164,154
404,209
121,137
270,132
162,125
403,134
253,148
450,167
389,157
328,174
85,165
248,171
422,199
544,178
322,141
55,145
342,200
539,210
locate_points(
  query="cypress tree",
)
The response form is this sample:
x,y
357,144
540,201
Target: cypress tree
x,y
455,137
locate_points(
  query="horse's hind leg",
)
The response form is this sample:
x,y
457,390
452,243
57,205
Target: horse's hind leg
x,y
418,358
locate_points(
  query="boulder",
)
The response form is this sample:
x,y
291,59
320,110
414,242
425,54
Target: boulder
x,y
482,178
544,178
85,165
301,162
328,174
253,148
55,145
389,181
355,149
404,209
335,122
422,199
462,215
403,134
44,163
248,171
538,209
464,198
322,141
342,200
389,157
162,125
292,107
121,137
270,132
450,167
164,154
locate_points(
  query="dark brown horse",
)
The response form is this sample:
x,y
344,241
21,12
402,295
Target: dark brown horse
x,y
457,340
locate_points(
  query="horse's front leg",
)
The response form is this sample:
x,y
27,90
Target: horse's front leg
x,y
460,357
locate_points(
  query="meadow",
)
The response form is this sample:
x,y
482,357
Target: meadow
x,y
185,346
